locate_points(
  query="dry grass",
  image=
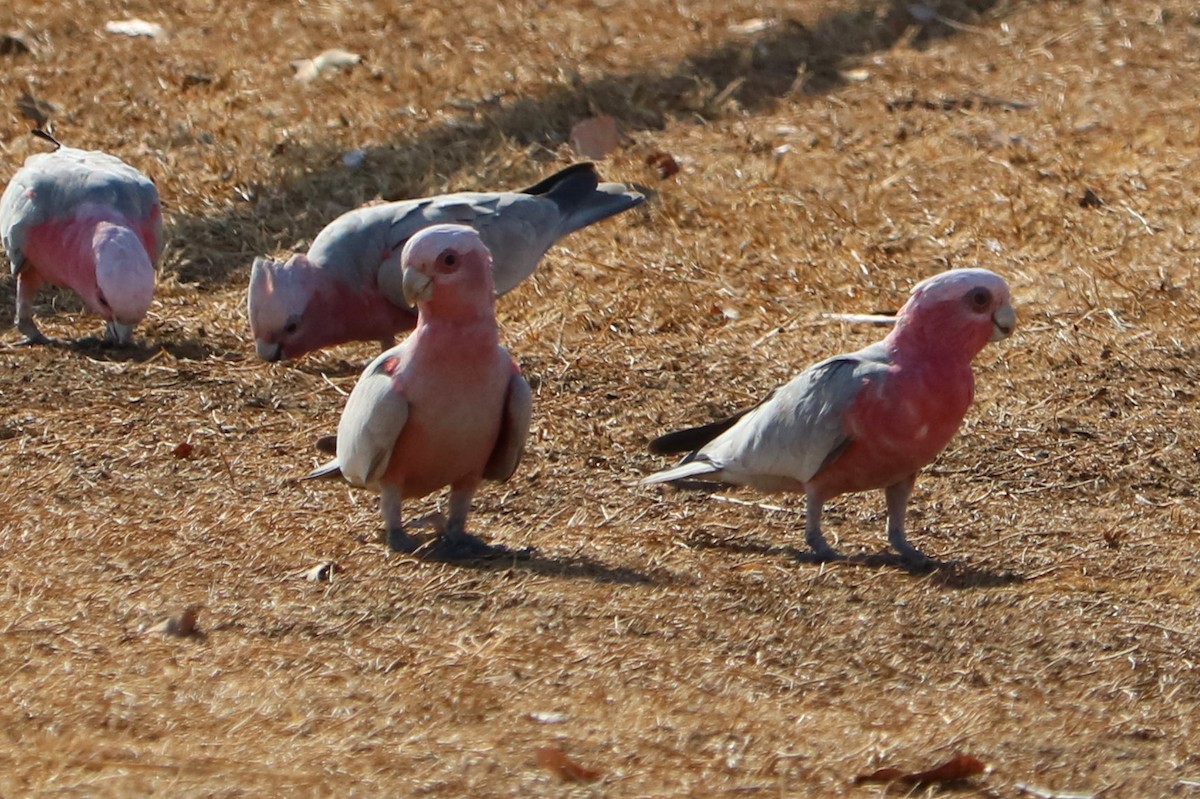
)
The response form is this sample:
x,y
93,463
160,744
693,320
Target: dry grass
x,y
669,639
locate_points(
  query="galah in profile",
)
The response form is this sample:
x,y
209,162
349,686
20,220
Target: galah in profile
x,y
448,406
870,419
348,287
89,222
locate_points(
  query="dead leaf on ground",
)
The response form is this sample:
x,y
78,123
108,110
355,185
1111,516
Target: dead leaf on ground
x,y
135,27
556,761
959,767
182,625
1046,793
38,111
327,445
15,43
307,69
183,449
595,137
322,572
663,163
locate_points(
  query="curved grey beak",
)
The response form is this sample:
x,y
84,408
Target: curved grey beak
x,y
418,287
1004,321
268,350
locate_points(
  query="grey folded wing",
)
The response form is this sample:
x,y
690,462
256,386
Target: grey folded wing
x,y
375,414
801,429
518,227
514,431
54,185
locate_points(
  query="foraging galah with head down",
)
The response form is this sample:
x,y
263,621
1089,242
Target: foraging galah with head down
x,y
870,419
448,406
89,222
349,286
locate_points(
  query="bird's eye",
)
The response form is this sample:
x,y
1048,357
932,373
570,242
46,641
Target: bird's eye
x,y
291,327
450,259
980,299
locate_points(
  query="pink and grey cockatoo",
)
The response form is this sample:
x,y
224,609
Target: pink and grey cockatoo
x,y
349,287
89,222
448,406
870,419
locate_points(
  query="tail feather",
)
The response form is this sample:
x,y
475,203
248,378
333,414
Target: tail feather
x,y
582,198
690,468
324,471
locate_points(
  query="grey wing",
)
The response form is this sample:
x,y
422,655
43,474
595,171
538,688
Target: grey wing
x,y
52,185
514,431
374,415
517,229
800,430
18,214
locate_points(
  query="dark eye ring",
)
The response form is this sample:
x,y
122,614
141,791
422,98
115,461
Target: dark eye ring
x,y
981,298
450,259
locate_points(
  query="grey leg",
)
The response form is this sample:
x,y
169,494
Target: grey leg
x,y
456,543
812,530
897,507
26,287
397,537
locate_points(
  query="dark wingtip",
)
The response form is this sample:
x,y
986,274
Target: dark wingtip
x,y
41,134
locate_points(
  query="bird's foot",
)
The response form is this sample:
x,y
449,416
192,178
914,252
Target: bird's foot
x,y
918,562
398,540
825,554
464,546
912,558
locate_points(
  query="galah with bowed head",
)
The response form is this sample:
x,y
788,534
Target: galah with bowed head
x,y
448,406
348,287
868,420
89,222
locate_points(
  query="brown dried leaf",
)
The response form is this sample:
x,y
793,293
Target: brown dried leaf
x,y
959,767
322,572
181,626
327,445
596,137
183,449
15,43
663,163
555,760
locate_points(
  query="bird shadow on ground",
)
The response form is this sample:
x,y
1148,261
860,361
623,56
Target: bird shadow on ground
x,y
949,574
574,567
140,352
787,59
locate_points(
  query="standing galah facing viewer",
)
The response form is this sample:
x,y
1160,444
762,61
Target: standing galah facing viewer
x,y
448,406
89,222
349,286
870,419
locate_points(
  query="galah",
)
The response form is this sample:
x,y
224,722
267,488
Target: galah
x,y
348,287
89,222
870,419
448,406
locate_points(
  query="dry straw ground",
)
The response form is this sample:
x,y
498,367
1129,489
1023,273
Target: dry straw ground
x,y
669,640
